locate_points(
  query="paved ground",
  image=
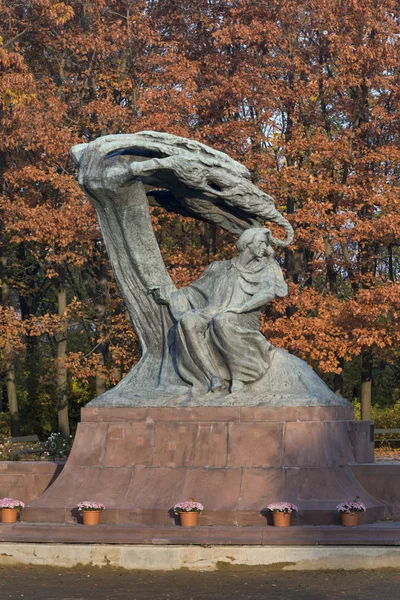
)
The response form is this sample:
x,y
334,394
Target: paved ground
x,y
37,583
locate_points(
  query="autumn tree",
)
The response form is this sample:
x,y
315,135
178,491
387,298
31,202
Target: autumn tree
x,y
306,94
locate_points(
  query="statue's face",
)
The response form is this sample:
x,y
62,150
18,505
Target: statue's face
x,y
258,246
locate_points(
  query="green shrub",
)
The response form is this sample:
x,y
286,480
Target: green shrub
x,y
387,417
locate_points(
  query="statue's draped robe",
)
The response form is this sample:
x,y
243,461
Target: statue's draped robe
x,y
209,343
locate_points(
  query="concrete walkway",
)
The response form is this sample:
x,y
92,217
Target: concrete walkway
x,y
200,558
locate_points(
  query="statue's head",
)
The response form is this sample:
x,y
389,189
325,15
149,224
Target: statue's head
x,y
257,240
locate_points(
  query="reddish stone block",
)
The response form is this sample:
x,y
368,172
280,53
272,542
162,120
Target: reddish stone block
x,y
268,413
362,440
21,467
202,413
235,535
17,486
110,415
216,489
104,485
49,515
129,444
287,536
116,433
249,518
260,487
109,516
317,444
255,444
89,414
344,413
316,413
121,415
155,488
64,490
217,518
327,487
89,444
41,482
383,482
190,444
211,445
145,517
180,535
174,444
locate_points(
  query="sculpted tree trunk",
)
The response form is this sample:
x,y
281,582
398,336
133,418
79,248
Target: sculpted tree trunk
x,y
124,217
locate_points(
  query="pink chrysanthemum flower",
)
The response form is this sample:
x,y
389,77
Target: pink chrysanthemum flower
x,y
11,503
89,505
282,507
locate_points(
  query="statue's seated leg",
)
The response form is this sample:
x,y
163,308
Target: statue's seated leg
x,y
194,360
193,322
238,340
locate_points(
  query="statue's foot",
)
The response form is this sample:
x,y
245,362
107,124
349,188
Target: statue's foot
x,y
216,384
236,386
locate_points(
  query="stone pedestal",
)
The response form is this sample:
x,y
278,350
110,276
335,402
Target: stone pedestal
x,y
140,461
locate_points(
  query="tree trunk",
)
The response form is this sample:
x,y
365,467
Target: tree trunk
x,y
63,421
9,355
100,381
366,384
12,399
290,259
338,382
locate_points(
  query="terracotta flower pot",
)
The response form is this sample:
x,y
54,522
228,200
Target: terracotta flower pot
x,y
9,515
281,519
350,519
188,519
91,517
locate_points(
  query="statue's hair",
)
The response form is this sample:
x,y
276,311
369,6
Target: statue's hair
x,y
248,236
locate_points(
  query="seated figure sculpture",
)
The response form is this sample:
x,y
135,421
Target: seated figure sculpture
x,y
216,337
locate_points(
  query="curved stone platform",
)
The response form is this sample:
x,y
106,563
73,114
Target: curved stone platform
x,y
140,461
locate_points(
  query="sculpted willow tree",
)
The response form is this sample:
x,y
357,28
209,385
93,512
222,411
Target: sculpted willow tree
x,y
206,338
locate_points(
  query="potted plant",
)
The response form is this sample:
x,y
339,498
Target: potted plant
x,y
90,512
350,512
10,508
282,512
188,512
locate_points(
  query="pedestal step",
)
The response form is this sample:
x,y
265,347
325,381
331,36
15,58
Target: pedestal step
x,y
385,534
